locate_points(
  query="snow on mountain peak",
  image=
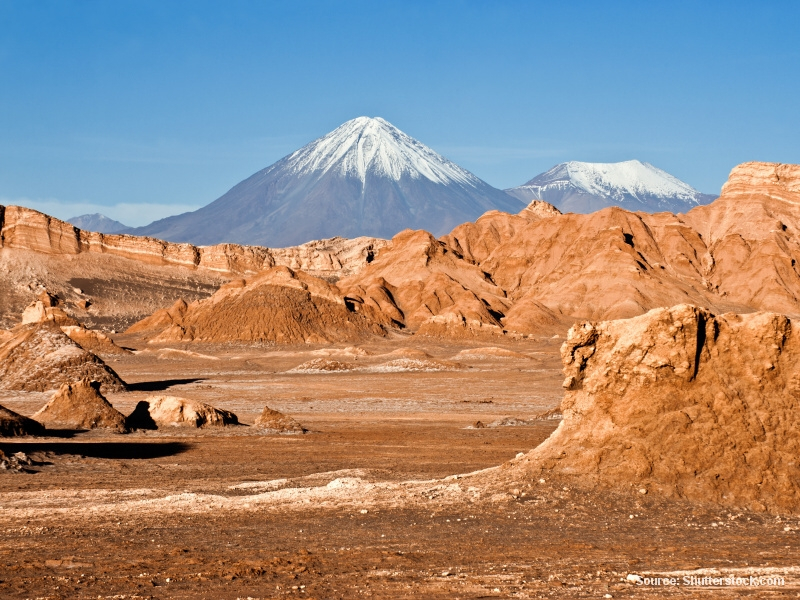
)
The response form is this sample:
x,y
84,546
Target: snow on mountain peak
x,y
373,145
631,177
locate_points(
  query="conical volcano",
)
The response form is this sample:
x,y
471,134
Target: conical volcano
x,y
365,178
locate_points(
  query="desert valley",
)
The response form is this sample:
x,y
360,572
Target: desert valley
x,y
532,404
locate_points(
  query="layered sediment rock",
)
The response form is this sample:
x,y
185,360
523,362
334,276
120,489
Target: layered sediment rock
x,y
685,403
531,273
88,339
24,228
420,283
541,270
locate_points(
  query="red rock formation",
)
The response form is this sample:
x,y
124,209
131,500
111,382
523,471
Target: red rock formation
x,y
13,425
80,405
536,272
422,283
685,403
24,228
39,357
279,305
539,270
88,339
278,422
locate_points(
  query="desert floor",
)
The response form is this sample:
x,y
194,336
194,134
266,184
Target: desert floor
x,y
363,505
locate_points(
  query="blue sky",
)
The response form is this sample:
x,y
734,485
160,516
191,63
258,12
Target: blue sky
x,y
144,109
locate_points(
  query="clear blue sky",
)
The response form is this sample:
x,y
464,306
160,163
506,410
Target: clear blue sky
x,y
143,109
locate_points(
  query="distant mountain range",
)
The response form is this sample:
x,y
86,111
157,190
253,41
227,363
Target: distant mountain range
x,y
368,178
583,187
98,222
365,178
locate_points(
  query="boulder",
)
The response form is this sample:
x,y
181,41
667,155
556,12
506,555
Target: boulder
x,y
158,412
277,421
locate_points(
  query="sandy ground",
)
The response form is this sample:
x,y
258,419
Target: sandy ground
x,y
376,500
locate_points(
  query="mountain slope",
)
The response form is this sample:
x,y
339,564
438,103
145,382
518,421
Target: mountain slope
x,y
97,222
364,178
633,185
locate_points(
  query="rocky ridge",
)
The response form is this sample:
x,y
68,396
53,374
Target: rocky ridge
x,y
24,228
537,271
47,309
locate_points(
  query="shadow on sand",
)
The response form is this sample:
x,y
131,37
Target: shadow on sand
x,y
160,385
112,450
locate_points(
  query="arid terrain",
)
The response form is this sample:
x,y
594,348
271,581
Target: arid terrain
x,y
364,504
536,405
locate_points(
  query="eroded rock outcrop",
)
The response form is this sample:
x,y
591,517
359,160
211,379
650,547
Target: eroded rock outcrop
x,y
88,339
14,425
277,421
279,305
683,402
420,283
535,272
39,357
93,341
80,405
158,412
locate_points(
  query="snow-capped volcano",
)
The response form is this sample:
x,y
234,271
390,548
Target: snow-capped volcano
x,y
634,185
375,146
366,177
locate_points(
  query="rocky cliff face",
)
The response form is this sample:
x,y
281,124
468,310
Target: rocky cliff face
x,y
23,228
758,179
684,403
112,281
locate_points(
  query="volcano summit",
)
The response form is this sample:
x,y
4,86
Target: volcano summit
x,y
365,178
